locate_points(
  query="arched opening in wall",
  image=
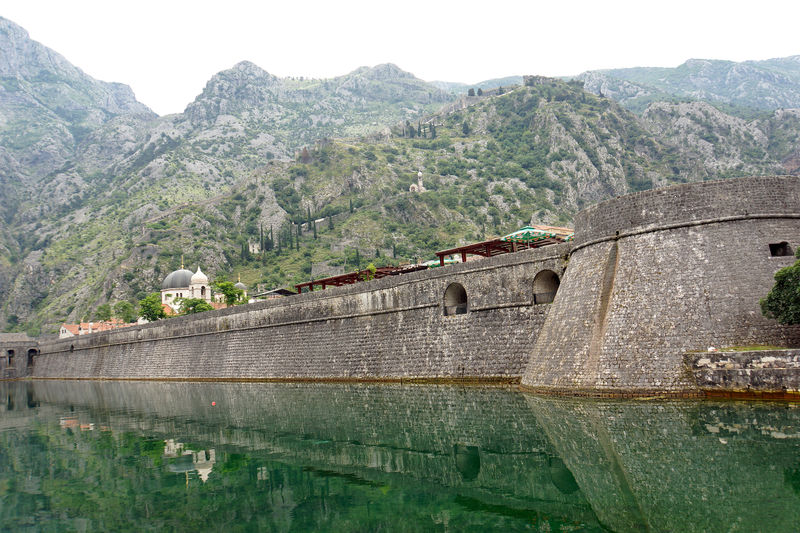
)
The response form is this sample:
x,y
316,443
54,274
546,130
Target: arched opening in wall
x,y
10,355
203,291
545,286
561,476
31,354
455,300
780,249
468,461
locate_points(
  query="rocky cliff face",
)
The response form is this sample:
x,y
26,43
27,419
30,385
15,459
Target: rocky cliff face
x,y
762,85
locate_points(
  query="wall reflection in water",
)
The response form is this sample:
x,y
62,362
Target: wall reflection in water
x,y
296,457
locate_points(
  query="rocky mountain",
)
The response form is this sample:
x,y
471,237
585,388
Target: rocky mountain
x,y
462,88
48,107
756,85
279,180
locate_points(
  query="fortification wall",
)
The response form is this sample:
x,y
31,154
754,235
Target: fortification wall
x,y
388,329
659,273
17,352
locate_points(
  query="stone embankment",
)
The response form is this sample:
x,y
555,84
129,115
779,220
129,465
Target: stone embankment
x,y
767,373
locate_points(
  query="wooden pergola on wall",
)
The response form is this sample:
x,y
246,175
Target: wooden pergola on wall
x,y
355,277
536,237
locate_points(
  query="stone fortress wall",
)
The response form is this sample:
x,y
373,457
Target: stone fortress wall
x,y
395,328
650,277
656,274
17,354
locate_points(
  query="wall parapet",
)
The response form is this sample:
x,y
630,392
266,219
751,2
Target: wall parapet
x,y
689,204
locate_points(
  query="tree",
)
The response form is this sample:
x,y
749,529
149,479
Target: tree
x,y
369,273
314,224
465,128
150,307
433,130
103,312
471,92
190,306
783,301
125,311
330,222
480,91
233,296
500,90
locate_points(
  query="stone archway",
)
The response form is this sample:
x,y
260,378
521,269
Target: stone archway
x,y
545,286
455,300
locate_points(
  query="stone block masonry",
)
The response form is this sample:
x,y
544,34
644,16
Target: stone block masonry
x,y
771,372
656,274
389,329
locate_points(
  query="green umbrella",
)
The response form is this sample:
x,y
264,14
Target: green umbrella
x,y
529,234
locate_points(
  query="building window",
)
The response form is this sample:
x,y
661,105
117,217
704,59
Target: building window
x,y
455,300
780,249
203,291
545,286
11,358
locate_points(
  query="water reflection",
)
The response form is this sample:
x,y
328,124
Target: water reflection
x,y
298,457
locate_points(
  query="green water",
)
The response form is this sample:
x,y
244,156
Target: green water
x,y
86,456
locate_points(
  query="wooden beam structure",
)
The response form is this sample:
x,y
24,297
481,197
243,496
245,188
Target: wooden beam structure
x,y
355,277
493,247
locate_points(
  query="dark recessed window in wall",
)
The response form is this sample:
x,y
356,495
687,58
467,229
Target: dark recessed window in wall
x,y
780,249
11,358
455,300
545,286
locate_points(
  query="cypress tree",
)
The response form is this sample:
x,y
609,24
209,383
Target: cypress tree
x,y
315,229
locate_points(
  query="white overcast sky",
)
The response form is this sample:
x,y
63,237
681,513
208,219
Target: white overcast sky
x,y
167,50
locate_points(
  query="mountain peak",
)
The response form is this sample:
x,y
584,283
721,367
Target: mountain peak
x,y
384,71
12,31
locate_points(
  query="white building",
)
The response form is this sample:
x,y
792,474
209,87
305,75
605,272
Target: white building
x,y
184,283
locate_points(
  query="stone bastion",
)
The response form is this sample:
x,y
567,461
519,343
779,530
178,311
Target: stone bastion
x,y
657,274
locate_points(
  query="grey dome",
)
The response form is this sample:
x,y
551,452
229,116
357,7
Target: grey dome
x,y
241,285
179,279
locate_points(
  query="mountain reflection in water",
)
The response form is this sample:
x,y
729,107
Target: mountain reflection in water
x,y
309,457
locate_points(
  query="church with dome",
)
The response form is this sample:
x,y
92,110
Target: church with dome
x,y
184,283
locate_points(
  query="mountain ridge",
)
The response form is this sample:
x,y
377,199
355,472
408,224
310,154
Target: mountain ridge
x,y
763,85
99,212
